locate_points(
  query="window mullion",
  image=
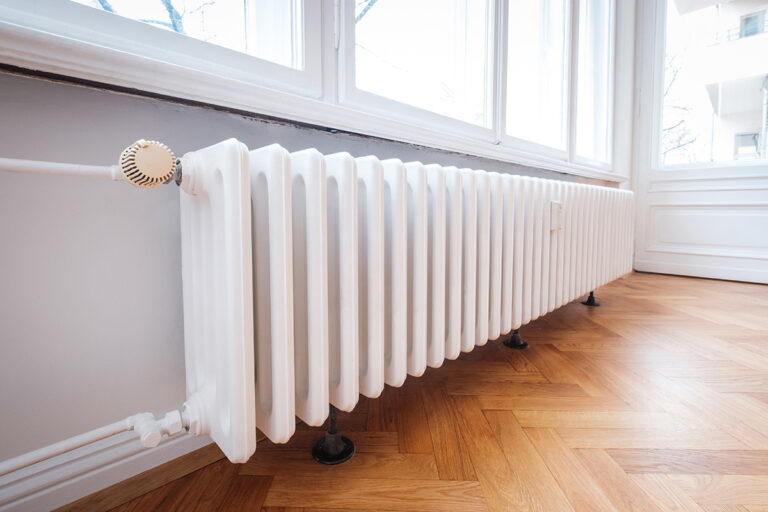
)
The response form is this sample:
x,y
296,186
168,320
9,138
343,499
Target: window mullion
x,y
611,128
573,80
330,23
499,106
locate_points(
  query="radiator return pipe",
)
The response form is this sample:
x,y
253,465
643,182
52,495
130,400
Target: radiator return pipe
x,y
149,429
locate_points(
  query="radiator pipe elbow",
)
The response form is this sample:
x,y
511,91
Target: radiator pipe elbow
x,y
147,428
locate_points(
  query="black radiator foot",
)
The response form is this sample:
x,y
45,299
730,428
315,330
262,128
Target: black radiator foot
x,y
515,341
333,448
591,300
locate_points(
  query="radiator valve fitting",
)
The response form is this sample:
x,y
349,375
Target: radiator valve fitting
x,y
151,430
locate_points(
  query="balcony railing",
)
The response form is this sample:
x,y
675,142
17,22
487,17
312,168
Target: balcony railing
x,y
735,33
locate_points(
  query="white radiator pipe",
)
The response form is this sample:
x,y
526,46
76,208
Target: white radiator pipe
x,y
145,163
149,430
37,167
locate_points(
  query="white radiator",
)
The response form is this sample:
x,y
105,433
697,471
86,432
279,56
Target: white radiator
x,y
363,272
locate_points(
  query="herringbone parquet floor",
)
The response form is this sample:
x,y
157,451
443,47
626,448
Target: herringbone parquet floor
x,y
658,400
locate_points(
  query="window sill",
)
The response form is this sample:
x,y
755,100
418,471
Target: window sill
x,y
38,50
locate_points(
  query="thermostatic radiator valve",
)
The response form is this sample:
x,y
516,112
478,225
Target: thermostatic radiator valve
x,y
149,163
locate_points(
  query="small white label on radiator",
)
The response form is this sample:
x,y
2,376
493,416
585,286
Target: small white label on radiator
x,y
556,212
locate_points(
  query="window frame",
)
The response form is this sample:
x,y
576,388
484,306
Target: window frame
x,y
568,115
611,131
322,95
152,50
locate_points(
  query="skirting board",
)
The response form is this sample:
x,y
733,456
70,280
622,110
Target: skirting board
x,y
747,275
68,477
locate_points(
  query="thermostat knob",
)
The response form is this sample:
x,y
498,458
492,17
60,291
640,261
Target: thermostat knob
x,y
147,163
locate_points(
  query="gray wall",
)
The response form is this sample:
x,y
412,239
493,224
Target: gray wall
x,y
90,283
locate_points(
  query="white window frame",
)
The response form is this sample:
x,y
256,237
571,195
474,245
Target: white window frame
x,y
92,44
573,100
651,57
322,94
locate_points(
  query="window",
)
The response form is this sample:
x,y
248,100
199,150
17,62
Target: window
x,y
267,29
715,85
746,145
595,77
524,81
430,54
537,71
540,91
752,24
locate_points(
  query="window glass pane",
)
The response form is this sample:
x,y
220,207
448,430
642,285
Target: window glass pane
x,y
593,104
432,54
536,71
267,29
715,95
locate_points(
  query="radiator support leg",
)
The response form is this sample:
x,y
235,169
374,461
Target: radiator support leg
x,y
591,300
515,341
333,448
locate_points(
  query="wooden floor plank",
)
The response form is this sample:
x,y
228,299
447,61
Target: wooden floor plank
x,y
724,462
725,489
582,491
373,494
412,426
724,508
365,441
649,438
363,465
723,412
245,492
538,486
615,483
188,492
597,419
485,371
462,387
451,455
666,495
527,403
501,486
518,361
214,483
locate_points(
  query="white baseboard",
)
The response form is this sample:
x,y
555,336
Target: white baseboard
x,y
71,476
712,272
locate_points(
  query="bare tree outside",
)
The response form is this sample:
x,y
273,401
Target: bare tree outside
x,y
364,6
266,29
676,136
175,19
